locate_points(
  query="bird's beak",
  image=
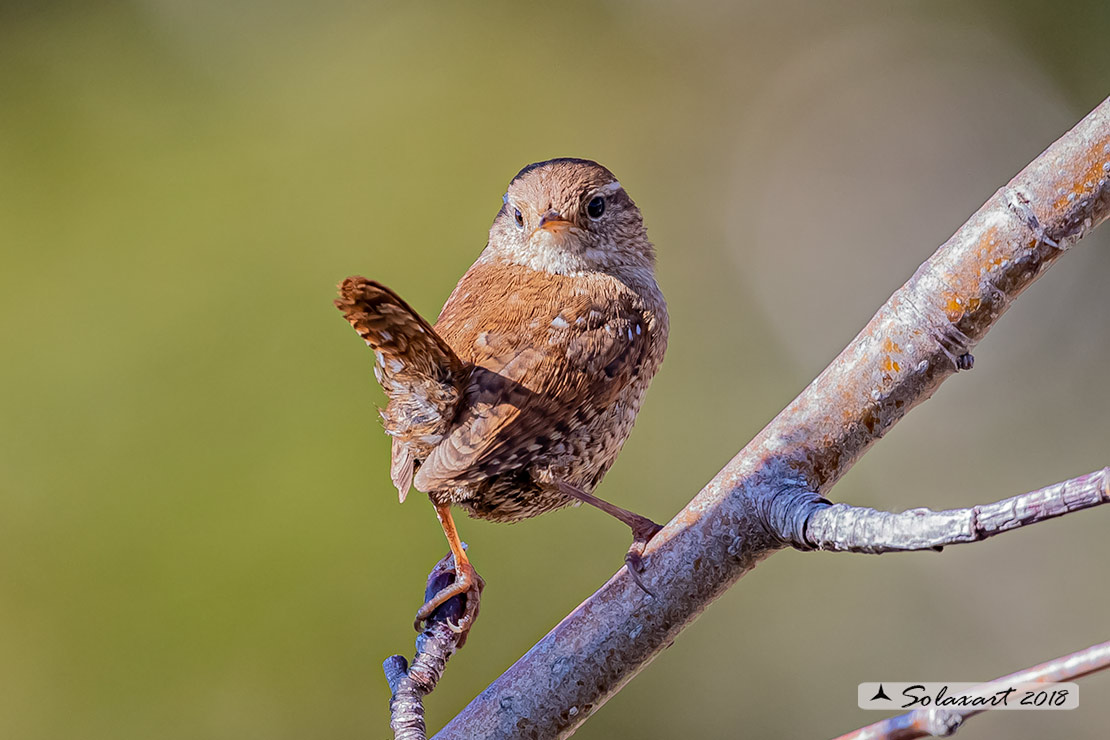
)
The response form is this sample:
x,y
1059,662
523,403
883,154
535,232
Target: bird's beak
x,y
554,223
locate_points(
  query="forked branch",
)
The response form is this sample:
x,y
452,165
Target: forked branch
x,y
408,685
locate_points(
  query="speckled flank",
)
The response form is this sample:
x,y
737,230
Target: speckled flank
x,y
558,377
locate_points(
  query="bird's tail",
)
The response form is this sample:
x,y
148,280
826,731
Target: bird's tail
x,y
419,372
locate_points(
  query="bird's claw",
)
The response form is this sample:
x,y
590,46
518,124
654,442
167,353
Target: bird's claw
x,y
634,558
461,626
467,584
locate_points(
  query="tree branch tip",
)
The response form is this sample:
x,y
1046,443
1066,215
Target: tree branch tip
x,y
395,668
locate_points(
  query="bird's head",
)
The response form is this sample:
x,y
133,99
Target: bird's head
x,y
568,216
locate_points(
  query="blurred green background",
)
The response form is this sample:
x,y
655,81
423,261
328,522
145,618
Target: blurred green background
x,y
198,538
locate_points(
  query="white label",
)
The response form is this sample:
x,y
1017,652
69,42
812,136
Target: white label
x,y
906,696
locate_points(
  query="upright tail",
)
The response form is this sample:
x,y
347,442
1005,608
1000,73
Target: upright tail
x,y
419,372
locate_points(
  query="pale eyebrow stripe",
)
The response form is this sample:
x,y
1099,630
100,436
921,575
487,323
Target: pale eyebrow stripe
x,y
610,188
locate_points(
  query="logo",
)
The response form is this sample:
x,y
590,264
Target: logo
x,y
907,696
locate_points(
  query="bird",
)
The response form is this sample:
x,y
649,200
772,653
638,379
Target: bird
x,y
517,401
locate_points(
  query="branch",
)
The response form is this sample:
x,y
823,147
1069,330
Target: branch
x,y
760,501
847,528
434,647
945,722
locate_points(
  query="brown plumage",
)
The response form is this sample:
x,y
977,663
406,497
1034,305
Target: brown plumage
x,y
519,399
418,370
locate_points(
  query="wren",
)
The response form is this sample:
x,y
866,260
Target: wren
x,y
519,399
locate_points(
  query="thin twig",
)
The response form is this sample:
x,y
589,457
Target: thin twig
x,y
945,722
845,528
760,501
434,647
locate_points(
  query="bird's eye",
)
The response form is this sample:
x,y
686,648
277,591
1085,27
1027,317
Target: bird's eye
x,y
596,207
519,218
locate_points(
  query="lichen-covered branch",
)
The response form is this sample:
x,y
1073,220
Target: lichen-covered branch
x,y
944,722
759,502
846,528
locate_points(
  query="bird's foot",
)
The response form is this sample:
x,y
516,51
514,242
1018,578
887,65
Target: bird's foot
x,y
642,532
643,529
467,584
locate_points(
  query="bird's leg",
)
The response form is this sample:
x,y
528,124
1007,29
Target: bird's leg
x,y
467,580
643,529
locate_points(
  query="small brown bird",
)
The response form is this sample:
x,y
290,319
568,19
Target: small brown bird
x,y
519,399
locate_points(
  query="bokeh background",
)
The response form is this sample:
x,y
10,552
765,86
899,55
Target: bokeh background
x,y
198,538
